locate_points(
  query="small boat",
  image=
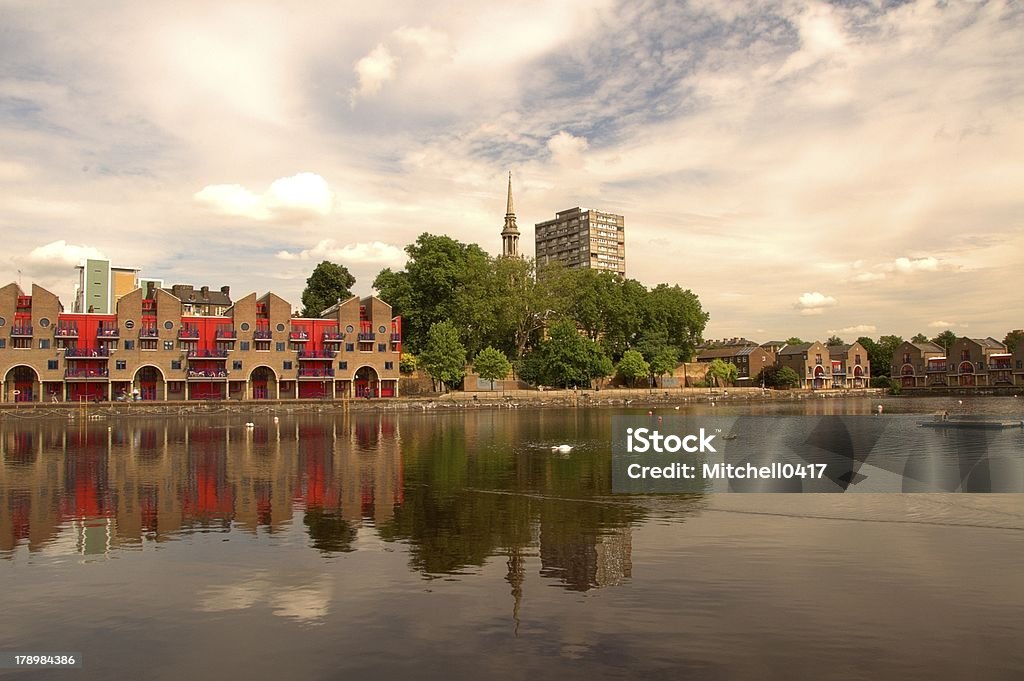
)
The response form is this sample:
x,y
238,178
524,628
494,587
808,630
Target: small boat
x,y
562,449
730,436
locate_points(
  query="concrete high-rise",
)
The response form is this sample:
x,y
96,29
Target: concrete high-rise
x,y
582,237
101,285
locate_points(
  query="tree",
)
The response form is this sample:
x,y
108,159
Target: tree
x,y
724,373
329,283
945,340
919,338
491,364
1012,339
633,366
884,349
793,340
664,362
408,364
566,359
444,357
778,377
678,313
834,341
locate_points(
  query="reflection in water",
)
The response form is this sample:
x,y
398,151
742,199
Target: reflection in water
x,y
455,494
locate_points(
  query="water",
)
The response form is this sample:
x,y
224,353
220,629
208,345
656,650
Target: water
x,y
455,545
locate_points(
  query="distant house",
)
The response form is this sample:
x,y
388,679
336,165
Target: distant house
x,y
202,302
1017,358
811,362
978,362
919,365
749,358
850,366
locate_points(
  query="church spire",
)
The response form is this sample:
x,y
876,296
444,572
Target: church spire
x,y
510,233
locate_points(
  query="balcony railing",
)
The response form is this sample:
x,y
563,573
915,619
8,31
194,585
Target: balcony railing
x,y
148,305
22,331
298,336
333,337
936,368
108,332
396,338
188,332
86,373
1000,366
316,373
206,374
65,332
149,332
24,302
207,354
262,334
87,352
365,336
226,334
317,354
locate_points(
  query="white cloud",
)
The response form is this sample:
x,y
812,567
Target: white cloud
x,y
373,70
814,303
567,149
374,252
433,43
945,325
859,328
301,195
906,265
55,258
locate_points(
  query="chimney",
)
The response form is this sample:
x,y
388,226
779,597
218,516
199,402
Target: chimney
x,y
205,291
150,292
226,290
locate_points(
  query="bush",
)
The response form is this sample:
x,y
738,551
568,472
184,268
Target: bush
x,y
881,382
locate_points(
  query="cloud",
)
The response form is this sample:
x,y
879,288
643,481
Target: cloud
x,y
859,328
900,266
55,258
905,265
373,70
434,44
814,303
303,195
374,252
945,325
567,149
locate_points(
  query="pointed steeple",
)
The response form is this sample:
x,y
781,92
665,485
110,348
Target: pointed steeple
x,y
510,233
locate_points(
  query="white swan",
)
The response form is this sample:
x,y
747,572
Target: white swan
x,y
562,449
250,424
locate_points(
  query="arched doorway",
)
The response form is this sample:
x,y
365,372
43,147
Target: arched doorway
x,y
21,384
966,371
260,379
907,374
819,377
148,384
367,382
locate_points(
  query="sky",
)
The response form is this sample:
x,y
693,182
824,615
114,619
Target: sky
x,y
808,169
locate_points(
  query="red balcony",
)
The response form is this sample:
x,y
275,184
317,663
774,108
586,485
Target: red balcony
x,y
21,332
99,353
367,336
65,332
207,354
322,374
298,336
226,333
937,368
87,374
24,302
149,305
207,374
333,336
396,338
262,334
1000,366
189,332
148,332
108,332
317,354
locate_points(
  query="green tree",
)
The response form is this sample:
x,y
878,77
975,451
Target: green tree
x,y
778,377
834,341
664,362
884,349
444,356
678,313
919,338
408,364
491,364
945,340
1012,339
794,340
329,283
633,366
567,359
724,373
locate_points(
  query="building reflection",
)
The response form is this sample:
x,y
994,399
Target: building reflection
x,y
457,490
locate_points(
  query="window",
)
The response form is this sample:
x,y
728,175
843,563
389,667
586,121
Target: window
x,y
243,345
148,344
382,347
287,365
236,365
168,325
817,359
51,364
3,343
129,345
176,364
245,326
280,347
121,364
349,347
344,365
349,328
389,365
44,343
168,345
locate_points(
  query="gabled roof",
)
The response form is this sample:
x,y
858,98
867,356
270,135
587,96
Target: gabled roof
x,y
927,346
727,351
796,349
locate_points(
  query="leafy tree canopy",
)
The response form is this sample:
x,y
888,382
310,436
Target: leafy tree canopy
x,y
834,341
329,283
724,373
633,366
491,364
444,357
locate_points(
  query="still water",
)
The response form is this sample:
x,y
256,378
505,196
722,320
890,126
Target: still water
x,y
457,546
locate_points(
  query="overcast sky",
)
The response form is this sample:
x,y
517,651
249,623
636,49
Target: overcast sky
x,y
805,168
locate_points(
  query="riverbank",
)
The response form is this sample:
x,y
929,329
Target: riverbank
x,y
511,399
